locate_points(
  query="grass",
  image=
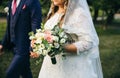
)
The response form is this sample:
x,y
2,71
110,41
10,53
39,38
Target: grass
x,y
109,51
2,29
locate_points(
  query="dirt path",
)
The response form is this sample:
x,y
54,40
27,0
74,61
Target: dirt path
x,y
2,20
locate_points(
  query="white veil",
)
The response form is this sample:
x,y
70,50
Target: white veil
x,y
78,15
78,20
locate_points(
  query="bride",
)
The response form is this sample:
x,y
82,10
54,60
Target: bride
x,y
82,54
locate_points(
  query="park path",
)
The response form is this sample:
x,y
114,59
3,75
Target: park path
x,y
2,20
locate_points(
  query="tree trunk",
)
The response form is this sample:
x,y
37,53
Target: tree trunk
x,y
96,10
110,17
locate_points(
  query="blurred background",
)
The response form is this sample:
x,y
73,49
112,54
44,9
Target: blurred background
x,y
106,17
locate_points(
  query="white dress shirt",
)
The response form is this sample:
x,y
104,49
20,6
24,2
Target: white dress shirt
x,y
18,2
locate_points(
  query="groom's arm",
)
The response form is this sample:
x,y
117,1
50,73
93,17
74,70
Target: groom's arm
x,y
36,16
5,41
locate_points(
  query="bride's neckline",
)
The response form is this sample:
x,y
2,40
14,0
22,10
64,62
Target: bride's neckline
x,y
59,13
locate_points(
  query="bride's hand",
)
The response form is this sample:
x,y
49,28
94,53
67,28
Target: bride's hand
x,y
32,43
34,55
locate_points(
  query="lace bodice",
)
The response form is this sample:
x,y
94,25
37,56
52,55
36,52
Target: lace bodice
x,y
55,20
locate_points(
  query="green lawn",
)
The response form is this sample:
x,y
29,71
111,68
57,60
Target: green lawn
x,y
109,50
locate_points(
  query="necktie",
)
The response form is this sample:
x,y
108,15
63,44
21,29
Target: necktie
x,y
14,7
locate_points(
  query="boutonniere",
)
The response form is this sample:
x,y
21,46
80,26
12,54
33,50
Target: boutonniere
x,y
24,6
6,9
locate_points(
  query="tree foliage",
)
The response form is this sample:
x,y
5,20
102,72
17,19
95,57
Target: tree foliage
x,y
45,4
109,7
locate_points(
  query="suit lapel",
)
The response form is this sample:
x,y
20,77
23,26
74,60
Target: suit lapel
x,y
19,8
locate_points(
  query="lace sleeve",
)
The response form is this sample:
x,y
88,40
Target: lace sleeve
x,y
83,45
83,27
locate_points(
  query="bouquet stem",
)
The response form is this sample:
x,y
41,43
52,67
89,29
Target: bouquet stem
x,y
53,60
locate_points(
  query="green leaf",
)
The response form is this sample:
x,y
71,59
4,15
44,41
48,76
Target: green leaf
x,y
31,33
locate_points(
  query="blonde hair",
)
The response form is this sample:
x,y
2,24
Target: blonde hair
x,y
55,8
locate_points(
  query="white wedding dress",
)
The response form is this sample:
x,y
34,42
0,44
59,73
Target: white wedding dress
x,y
84,64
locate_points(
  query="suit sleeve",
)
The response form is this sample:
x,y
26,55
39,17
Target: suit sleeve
x,y
36,16
6,39
5,42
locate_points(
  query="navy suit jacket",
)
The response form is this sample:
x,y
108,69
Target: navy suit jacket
x,y
27,18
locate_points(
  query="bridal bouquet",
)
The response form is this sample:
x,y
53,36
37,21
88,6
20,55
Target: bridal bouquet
x,y
48,42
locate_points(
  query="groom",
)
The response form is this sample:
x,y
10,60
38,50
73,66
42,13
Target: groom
x,y
23,16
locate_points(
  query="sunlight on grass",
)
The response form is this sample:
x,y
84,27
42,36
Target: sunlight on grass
x,y
2,29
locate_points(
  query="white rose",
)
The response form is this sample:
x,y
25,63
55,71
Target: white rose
x,y
56,45
55,38
38,41
62,41
62,34
39,35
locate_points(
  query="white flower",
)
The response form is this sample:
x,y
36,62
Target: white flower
x,y
56,45
31,37
45,52
65,36
39,51
38,30
50,45
55,38
42,46
62,41
39,35
6,9
38,41
62,34
35,50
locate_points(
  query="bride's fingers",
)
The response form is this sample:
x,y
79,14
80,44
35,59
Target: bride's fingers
x,y
34,55
32,43
31,54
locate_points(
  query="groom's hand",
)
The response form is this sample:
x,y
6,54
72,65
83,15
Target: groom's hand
x,y
1,49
